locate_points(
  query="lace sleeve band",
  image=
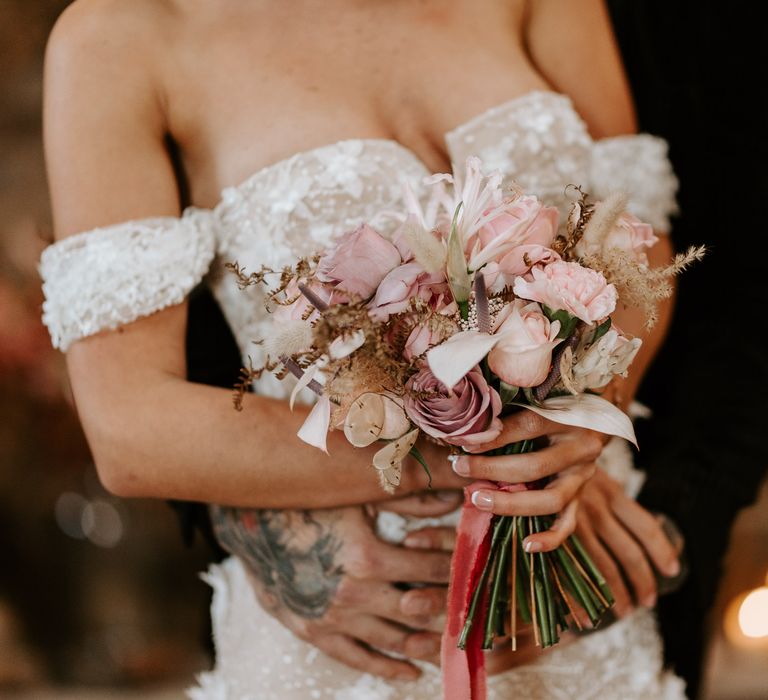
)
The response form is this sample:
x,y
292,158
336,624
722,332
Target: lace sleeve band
x,y
108,277
639,165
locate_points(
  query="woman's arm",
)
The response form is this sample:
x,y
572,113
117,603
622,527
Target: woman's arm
x,y
152,433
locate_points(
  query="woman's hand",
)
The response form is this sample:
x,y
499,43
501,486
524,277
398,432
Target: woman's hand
x,y
625,541
569,460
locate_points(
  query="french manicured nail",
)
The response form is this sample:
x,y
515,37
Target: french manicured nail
x,y
649,601
673,569
481,500
460,465
449,496
532,546
418,542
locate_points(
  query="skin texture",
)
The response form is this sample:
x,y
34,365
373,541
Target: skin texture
x,y
129,82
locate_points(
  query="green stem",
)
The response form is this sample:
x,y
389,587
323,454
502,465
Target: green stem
x,y
589,565
480,588
500,574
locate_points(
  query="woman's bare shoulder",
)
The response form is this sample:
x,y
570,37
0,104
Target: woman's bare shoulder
x,y
111,29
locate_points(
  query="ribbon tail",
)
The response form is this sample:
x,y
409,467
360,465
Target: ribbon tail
x,y
464,670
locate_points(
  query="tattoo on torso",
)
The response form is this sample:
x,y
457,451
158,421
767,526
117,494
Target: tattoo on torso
x,y
291,553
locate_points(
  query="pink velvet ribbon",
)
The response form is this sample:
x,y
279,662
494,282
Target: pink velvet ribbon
x,y
464,676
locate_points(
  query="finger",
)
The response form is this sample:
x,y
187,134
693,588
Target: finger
x,y
553,498
563,527
531,466
608,568
355,655
630,557
523,425
380,561
419,609
377,633
648,531
440,538
426,504
424,646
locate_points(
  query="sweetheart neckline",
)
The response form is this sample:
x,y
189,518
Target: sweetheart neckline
x,y
472,121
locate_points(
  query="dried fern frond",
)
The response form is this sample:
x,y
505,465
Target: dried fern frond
x,y
582,211
247,376
637,284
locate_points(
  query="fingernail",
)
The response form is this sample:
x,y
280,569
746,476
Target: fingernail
x,y
673,569
649,601
532,546
448,496
415,605
482,500
418,542
460,465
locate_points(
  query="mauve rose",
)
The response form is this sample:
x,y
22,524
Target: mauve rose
x,y
359,262
580,291
523,355
408,282
466,416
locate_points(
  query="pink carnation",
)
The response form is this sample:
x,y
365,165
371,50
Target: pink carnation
x,y
580,291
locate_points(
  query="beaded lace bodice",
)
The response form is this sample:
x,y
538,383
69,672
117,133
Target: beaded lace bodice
x,y
110,276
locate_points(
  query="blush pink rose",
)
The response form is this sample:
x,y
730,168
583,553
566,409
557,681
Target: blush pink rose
x,y
515,263
580,291
525,221
406,282
523,355
633,236
466,416
300,309
421,339
359,262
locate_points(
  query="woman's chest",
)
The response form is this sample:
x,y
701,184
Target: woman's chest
x,y
249,89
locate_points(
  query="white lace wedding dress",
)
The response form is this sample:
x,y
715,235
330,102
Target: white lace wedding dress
x,y
111,276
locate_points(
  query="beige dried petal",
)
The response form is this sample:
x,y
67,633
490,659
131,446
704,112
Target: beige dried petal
x,y
365,420
393,453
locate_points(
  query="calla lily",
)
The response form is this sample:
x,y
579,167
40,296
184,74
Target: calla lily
x,y
587,411
451,360
302,383
374,417
314,431
389,459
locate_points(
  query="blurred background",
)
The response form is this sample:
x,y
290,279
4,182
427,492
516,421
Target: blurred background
x,y
99,598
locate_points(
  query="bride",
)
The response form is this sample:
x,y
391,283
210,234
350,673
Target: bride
x,y
185,134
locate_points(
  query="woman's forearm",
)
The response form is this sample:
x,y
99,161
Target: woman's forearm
x,y
632,320
154,434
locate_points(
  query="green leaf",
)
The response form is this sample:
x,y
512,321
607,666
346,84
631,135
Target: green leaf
x,y
508,392
416,454
567,322
602,329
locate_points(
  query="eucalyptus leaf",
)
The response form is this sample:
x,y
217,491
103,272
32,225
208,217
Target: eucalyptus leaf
x,y
508,392
567,321
601,330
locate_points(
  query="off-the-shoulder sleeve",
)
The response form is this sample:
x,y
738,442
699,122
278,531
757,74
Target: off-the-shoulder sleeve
x,y
107,277
639,165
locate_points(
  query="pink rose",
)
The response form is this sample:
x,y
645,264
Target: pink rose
x,y
516,262
300,309
406,282
359,262
523,355
421,339
633,236
467,415
580,291
525,221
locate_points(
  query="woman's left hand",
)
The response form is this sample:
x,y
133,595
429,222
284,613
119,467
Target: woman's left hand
x,y
568,460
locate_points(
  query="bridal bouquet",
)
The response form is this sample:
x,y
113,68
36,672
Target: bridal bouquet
x,y
473,309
